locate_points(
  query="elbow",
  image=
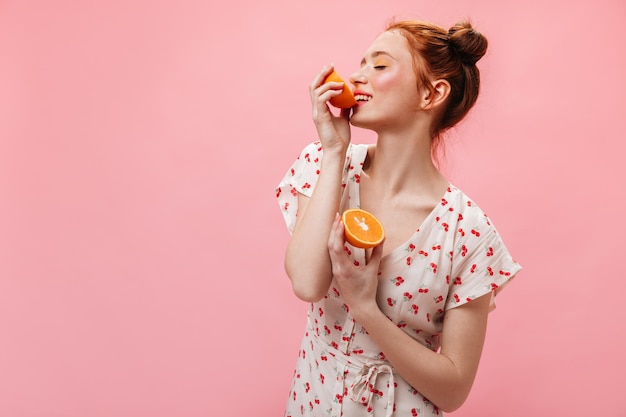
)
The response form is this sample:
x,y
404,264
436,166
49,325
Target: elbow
x,y
306,286
453,402
306,292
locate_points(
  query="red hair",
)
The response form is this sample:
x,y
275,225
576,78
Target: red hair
x,y
450,55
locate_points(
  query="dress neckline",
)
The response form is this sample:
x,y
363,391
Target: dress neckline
x,y
429,220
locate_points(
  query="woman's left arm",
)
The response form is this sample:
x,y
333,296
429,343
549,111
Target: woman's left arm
x,y
445,378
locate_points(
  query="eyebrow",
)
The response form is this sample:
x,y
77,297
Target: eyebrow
x,y
376,54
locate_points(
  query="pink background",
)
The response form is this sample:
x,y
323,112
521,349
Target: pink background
x,y
141,245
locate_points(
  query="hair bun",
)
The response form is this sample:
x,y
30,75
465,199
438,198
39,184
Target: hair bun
x,y
469,44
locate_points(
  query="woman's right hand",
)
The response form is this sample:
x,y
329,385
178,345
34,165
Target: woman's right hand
x,y
333,130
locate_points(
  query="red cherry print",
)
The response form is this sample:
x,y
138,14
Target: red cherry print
x,y
475,233
307,387
462,232
324,358
307,157
345,338
423,290
407,295
439,299
322,378
490,271
316,160
319,148
337,327
336,291
444,201
414,412
402,324
428,319
460,217
505,273
294,397
391,302
490,251
469,204
310,405
473,269
339,398
451,209
414,308
286,206
408,260
421,252
434,267
494,286
306,185
457,281
293,172
357,178
343,185
437,218
326,330
381,356
411,247
318,172
334,344
317,401
278,192
370,409
436,247
347,250
358,351
447,279
456,298
463,250
356,263
321,311
398,281
351,167
445,226
294,192
345,307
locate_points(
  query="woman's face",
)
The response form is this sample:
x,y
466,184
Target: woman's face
x,y
386,85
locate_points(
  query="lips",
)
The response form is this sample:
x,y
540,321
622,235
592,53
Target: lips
x,y
362,96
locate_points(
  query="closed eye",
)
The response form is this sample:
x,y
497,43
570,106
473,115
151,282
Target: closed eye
x,y
380,67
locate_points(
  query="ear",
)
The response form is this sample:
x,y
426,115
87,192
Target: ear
x,y
434,98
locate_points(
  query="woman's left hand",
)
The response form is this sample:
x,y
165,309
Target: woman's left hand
x,y
358,284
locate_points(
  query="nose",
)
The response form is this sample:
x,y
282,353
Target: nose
x,y
358,78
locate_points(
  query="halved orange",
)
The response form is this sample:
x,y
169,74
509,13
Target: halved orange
x,y
362,228
345,100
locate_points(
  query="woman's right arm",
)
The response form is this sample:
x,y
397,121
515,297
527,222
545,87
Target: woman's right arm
x,y
307,261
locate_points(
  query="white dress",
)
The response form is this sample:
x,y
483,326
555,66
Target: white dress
x,y
456,255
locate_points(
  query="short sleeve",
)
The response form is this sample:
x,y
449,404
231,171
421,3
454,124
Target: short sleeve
x,y
301,177
481,263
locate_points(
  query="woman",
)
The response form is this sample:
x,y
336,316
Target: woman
x,y
399,329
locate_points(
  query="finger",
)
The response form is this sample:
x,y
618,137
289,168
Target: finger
x,y
345,113
377,254
335,240
321,76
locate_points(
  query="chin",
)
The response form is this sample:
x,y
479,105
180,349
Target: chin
x,y
363,123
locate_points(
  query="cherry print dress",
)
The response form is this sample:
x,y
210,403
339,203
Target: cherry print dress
x,y
456,255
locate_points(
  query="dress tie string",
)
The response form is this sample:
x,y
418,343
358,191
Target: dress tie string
x,y
365,385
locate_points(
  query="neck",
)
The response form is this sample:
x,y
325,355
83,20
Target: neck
x,y
403,163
